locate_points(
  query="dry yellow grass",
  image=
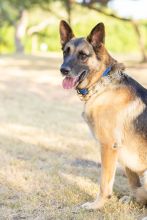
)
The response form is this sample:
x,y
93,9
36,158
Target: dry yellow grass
x,y
49,163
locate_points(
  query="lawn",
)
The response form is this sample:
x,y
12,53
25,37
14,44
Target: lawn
x,y
49,163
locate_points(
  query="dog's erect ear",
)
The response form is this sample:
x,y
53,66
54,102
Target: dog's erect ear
x,y
66,33
97,35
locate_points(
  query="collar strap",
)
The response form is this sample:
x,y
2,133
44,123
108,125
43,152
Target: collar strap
x,y
107,71
85,91
82,91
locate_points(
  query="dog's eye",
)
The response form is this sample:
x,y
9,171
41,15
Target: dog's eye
x,y
66,51
83,55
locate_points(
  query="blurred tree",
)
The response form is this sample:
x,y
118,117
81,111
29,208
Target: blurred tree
x,y
67,5
14,12
101,6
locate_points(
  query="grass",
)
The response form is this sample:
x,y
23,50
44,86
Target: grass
x,y
49,163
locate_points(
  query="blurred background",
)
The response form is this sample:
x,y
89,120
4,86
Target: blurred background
x,y
49,162
32,25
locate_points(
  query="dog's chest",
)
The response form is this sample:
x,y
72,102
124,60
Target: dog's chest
x,y
89,122
97,118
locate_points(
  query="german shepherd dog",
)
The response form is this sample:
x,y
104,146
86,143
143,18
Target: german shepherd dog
x,y
115,108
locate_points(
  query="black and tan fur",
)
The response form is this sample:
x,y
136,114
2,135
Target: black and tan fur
x,y
116,113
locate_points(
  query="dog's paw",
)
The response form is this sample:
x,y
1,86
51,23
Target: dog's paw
x,y
93,205
125,199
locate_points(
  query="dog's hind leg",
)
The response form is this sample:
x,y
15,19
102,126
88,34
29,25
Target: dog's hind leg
x,y
134,182
109,160
141,192
133,178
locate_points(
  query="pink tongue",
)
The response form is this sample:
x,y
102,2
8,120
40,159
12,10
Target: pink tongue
x,y
69,82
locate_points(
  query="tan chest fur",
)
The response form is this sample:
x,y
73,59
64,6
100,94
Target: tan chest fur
x,y
110,117
101,112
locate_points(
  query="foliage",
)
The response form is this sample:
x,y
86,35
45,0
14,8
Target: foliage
x,y
120,36
10,9
6,39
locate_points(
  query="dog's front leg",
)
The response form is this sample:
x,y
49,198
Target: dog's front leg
x,y
109,159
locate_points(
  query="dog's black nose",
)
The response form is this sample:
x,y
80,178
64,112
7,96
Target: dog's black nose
x,y
65,70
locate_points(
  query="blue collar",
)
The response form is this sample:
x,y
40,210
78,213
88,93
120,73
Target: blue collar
x,y
107,71
85,91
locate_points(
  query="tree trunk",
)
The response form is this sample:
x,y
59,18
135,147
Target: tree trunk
x,y
68,4
140,41
20,30
34,44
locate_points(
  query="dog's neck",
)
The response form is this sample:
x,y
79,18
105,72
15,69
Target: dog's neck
x,y
109,75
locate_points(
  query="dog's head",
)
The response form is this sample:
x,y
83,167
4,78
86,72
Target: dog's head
x,y
84,58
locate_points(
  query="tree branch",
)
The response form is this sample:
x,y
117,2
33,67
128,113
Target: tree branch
x,y
51,11
89,6
134,23
39,27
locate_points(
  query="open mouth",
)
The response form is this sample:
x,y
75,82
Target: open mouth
x,y
72,81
